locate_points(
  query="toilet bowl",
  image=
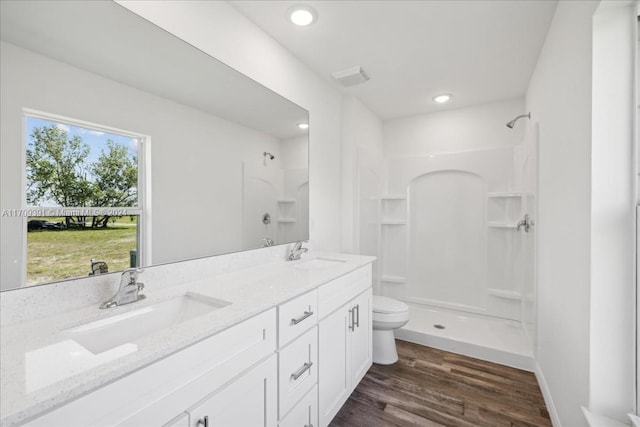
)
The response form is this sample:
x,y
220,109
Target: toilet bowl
x,y
388,314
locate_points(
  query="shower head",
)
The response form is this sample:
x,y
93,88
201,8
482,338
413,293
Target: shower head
x,y
512,123
271,156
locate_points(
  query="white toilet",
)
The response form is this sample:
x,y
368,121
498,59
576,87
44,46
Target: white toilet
x,y
388,314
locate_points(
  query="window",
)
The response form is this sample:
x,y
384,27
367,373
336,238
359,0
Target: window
x,y
83,196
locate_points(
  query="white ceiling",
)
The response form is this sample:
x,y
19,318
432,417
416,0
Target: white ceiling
x,y
89,35
480,51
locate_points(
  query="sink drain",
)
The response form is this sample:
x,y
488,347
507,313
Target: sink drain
x,y
439,326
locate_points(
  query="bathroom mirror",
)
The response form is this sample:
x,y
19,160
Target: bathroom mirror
x,y
214,162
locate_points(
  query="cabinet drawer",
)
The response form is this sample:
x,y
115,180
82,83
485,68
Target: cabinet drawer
x,y
305,413
297,316
297,370
334,294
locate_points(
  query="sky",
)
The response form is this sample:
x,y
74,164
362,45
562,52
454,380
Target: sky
x,y
97,140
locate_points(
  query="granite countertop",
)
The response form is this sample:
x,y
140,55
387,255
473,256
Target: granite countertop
x,y
42,368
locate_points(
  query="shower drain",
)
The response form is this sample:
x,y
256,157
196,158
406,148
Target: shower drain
x,y
439,326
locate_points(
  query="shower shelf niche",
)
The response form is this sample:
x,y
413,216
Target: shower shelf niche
x,y
388,278
393,235
392,222
506,194
504,293
393,210
497,224
287,219
503,209
287,212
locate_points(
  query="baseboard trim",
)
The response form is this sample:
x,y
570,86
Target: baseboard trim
x,y
546,394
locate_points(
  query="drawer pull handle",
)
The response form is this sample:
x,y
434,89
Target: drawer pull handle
x,y
301,318
204,421
297,374
352,322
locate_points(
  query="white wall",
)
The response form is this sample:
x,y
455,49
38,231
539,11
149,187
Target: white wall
x,y
612,351
184,190
470,128
559,98
219,30
295,152
361,130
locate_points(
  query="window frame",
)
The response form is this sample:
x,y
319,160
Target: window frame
x,y
143,208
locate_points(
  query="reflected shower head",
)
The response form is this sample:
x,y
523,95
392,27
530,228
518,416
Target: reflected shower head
x,y
271,156
512,123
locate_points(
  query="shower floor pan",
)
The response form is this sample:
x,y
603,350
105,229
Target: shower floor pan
x,y
494,340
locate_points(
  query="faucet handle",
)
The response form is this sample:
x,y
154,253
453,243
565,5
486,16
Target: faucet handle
x,y
134,271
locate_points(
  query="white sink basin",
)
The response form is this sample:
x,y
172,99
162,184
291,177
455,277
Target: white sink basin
x,y
106,334
319,263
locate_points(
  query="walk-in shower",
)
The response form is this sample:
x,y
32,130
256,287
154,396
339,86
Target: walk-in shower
x,y
449,245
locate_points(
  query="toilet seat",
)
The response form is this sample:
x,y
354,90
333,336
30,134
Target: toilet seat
x,y
384,305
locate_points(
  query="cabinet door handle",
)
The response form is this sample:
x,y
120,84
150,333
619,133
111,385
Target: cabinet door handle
x,y
357,308
297,374
204,422
351,320
301,318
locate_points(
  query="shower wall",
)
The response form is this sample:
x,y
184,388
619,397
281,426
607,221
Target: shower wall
x,y
369,183
440,209
448,232
282,195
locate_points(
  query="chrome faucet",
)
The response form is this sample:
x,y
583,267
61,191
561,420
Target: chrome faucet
x,y
296,251
129,290
527,223
98,267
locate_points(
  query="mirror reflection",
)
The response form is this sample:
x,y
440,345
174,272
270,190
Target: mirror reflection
x,y
123,145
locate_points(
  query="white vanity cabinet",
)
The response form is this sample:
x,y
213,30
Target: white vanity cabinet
x,y
344,340
298,361
292,365
162,391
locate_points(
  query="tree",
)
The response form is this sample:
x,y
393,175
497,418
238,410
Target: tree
x,y
116,179
58,172
56,168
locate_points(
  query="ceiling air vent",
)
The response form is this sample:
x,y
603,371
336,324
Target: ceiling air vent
x,y
351,76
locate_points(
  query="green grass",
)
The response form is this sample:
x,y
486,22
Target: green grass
x,y
54,255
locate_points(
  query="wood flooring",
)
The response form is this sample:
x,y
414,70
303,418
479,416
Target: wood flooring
x,y
429,387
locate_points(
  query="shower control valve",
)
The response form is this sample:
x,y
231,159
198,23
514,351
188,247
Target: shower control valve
x,y
527,223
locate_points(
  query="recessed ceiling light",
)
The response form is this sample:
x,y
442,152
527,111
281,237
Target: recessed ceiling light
x,y
441,99
302,15
303,126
